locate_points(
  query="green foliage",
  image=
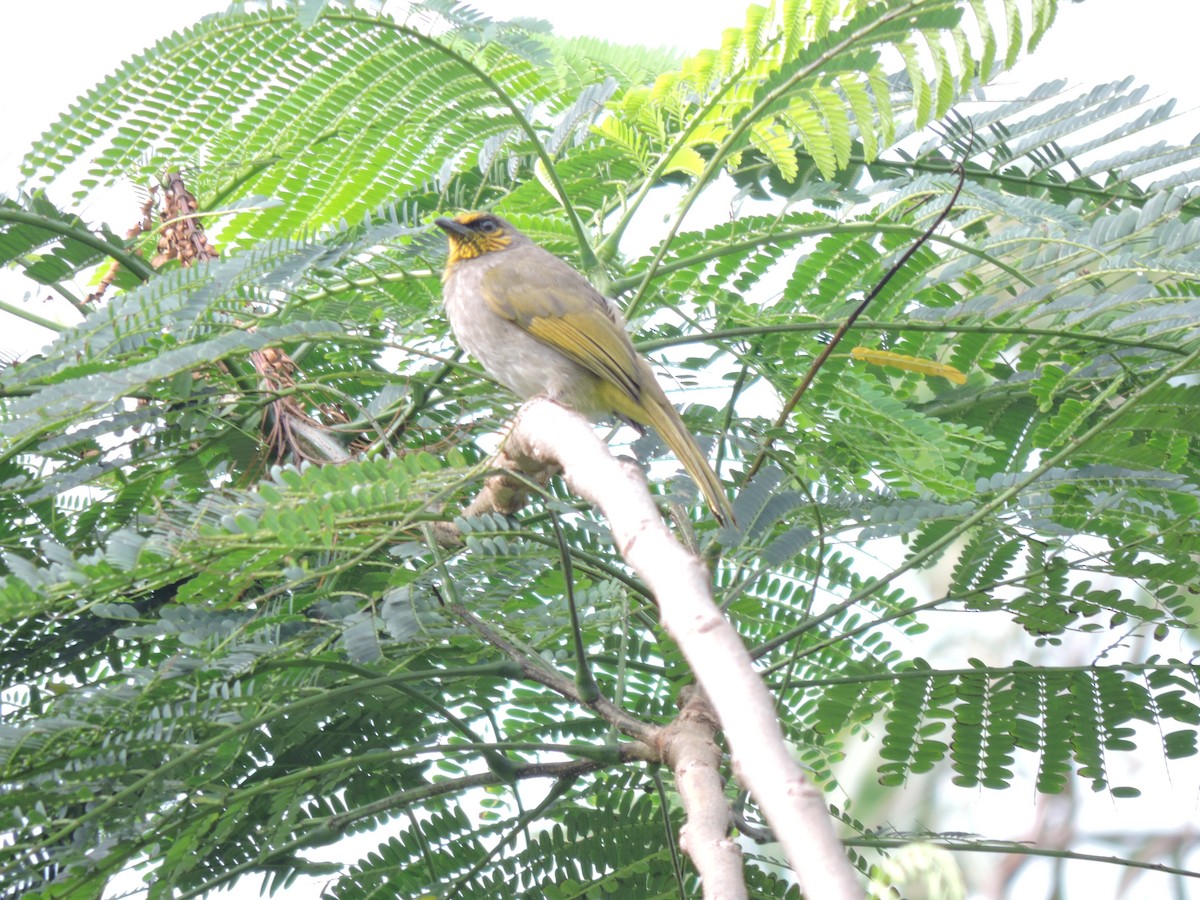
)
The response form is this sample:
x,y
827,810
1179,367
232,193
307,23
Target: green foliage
x,y
219,656
1071,719
50,245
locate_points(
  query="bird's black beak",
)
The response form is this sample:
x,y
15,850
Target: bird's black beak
x,y
451,227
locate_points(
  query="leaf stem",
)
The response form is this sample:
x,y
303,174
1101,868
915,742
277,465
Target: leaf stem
x,y
82,235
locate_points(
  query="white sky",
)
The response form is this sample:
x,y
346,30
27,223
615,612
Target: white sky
x,y
56,50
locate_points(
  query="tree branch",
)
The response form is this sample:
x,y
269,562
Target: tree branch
x,y
689,747
549,434
504,492
535,669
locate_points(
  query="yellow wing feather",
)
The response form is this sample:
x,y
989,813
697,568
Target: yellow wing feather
x,y
563,311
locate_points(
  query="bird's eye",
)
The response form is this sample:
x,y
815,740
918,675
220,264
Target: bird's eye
x,y
487,226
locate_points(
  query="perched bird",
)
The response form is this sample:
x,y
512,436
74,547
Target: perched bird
x,y
538,327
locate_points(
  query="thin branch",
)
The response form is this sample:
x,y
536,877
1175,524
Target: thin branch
x,y
689,747
664,808
825,353
723,334
993,673
585,681
21,313
977,846
401,799
832,227
534,668
83,235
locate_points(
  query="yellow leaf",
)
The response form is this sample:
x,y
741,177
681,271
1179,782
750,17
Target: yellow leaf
x,y
686,160
908,363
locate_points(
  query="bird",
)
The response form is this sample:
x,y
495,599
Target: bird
x,y
538,327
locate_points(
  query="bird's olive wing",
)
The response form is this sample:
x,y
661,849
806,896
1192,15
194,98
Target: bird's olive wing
x,y
569,315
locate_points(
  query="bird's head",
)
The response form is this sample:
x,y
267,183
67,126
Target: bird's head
x,y
473,234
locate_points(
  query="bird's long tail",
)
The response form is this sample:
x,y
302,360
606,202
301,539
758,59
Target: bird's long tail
x,y
670,426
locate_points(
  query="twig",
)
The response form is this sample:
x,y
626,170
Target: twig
x,y
536,669
585,681
825,353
